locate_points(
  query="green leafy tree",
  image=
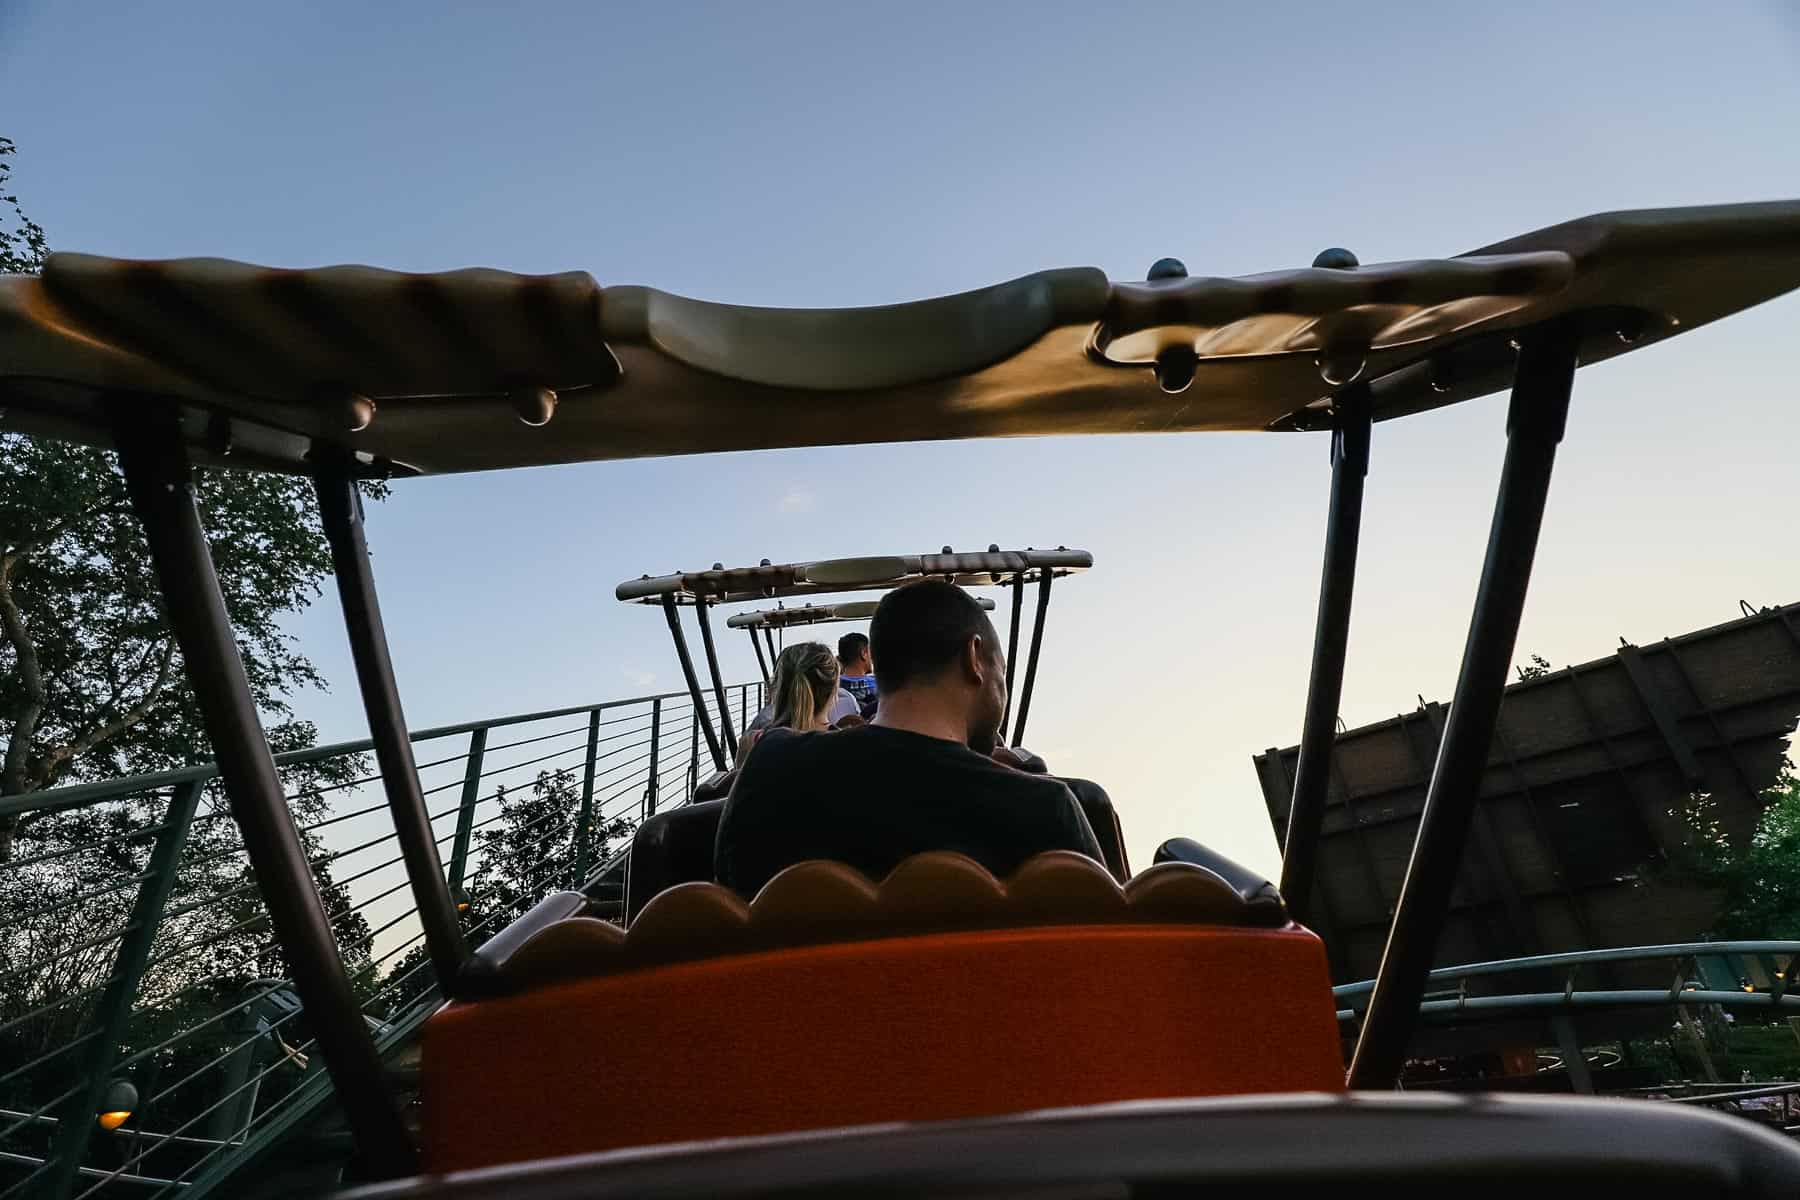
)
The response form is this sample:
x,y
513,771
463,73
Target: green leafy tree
x,y
22,241
531,851
91,687
91,684
1759,881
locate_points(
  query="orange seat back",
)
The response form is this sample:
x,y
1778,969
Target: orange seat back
x,y
921,1027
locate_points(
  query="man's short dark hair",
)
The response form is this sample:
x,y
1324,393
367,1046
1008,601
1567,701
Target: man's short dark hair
x,y
851,647
921,629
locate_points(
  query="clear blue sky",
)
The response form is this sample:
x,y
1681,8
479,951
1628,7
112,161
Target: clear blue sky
x,y
830,154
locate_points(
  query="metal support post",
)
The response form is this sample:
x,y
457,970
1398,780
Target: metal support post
x,y
1012,651
762,664
584,820
769,639
1534,426
673,615
465,813
114,1010
341,513
1581,1080
1331,637
1031,663
158,478
703,611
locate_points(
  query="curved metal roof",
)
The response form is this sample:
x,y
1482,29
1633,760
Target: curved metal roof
x,y
768,580
471,370
816,614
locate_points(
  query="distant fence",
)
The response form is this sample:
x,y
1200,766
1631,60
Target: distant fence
x,y
135,948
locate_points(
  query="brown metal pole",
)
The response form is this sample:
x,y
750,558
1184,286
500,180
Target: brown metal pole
x,y
161,487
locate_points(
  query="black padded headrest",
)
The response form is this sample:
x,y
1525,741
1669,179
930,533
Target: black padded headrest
x,y
672,847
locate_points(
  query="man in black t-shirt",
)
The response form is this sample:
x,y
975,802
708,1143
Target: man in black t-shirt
x,y
919,778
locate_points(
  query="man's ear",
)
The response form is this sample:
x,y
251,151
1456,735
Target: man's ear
x,y
974,660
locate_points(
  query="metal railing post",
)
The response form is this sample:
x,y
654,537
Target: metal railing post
x,y
584,821
693,771
655,746
114,1009
465,814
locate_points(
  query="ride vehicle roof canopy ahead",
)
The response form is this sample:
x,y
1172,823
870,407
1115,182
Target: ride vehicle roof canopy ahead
x,y
479,369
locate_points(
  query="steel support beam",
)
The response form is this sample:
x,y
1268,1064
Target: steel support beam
x,y
1331,639
1045,578
1012,652
702,722
341,513
1535,421
160,482
702,610
762,664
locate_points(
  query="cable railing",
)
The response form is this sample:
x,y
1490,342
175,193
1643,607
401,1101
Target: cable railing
x,y
139,975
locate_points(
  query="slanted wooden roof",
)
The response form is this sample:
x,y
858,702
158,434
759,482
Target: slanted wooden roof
x,y
472,370
768,580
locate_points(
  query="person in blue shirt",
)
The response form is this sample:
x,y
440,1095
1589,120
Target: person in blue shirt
x,y
856,672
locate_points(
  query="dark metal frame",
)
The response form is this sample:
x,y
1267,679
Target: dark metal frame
x,y
1331,637
1536,419
762,664
1045,579
1012,650
158,477
702,720
703,611
341,512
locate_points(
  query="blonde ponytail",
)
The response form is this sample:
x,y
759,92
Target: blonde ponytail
x,y
806,680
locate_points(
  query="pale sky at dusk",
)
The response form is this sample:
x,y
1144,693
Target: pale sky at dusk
x,y
831,154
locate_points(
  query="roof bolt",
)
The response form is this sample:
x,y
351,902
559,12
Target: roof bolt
x,y
1340,367
359,411
1335,258
1167,268
1175,368
535,405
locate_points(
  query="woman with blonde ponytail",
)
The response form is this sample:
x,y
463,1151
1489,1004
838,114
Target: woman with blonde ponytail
x,y
804,687
802,694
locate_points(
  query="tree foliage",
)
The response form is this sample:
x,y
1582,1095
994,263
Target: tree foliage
x,y
22,241
1759,881
531,850
91,684
91,687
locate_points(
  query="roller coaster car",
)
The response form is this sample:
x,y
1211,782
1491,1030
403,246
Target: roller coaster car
x,y
931,1033
829,1001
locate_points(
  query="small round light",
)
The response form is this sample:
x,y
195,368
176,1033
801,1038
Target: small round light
x,y
117,1103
